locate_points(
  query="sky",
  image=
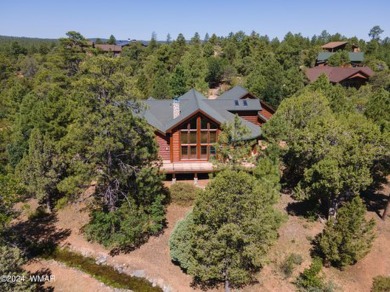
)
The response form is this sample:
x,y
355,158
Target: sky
x,y
139,19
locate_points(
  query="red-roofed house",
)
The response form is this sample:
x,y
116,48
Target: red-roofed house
x,y
116,50
349,77
336,46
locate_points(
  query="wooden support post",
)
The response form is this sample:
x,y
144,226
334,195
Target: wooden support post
x,y
173,178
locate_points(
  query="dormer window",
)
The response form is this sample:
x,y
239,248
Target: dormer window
x,y
236,102
245,103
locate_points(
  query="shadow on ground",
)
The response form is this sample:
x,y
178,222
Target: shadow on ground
x,y
39,236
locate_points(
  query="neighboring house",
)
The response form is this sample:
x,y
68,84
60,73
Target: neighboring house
x,y
356,57
262,115
348,77
337,46
115,49
187,127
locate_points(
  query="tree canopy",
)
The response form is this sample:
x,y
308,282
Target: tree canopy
x,y
226,237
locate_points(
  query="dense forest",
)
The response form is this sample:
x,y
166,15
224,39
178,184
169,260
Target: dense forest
x,y
67,121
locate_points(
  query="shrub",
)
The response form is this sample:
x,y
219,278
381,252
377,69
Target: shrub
x,y
39,213
349,238
128,226
61,203
11,260
183,194
310,279
287,267
381,284
178,242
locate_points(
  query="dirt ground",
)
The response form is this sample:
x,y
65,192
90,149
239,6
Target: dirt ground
x,y
152,260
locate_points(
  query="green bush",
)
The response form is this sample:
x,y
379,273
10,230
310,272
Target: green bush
x,y
11,260
310,279
61,203
381,284
183,194
178,242
128,226
349,238
287,267
40,212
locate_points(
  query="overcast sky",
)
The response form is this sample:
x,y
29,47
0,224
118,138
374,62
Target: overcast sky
x,y
139,19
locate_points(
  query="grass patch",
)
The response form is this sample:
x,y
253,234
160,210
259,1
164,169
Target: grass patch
x,y
381,284
288,265
105,274
183,194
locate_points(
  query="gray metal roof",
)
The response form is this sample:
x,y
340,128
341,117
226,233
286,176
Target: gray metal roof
x,y
235,93
353,56
159,113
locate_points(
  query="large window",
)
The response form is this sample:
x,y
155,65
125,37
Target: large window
x,y
197,138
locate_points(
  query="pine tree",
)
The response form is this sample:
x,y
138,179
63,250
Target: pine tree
x,y
232,147
11,260
41,169
117,149
111,40
348,238
234,224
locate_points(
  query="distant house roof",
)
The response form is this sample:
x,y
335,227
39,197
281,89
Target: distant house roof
x,y
122,43
159,113
333,45
109,48
353,56
338,74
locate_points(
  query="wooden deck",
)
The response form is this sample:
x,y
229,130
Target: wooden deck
x,y
187,167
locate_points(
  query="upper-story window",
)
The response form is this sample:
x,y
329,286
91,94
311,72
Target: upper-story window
x,y
197,138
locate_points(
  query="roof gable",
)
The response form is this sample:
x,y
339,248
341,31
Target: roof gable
x,y
332,45
237,92
159,113
337,74
108,48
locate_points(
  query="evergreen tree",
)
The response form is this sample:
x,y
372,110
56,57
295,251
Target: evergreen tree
x,y
11,260
73,49
375,32
234,224
329,157
233,149
111,40
215,71
347,239
340,58
41,169
169,38
118,150
179,246
178,82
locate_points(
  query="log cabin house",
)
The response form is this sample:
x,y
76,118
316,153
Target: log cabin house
x,y
348,77
187,127
356,57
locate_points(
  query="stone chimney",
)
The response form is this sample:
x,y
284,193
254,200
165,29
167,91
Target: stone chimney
x,y
176,108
